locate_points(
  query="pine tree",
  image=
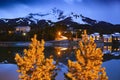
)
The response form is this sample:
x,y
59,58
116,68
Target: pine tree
x,y
88,62
33,65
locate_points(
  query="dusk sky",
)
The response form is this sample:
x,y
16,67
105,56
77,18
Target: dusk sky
x,y
102,10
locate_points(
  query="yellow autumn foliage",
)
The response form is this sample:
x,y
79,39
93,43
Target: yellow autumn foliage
x,y
88,62
33,65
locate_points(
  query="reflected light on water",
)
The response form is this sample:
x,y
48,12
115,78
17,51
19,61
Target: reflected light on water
x,y
60,50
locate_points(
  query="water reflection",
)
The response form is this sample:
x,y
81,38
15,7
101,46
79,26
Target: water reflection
x,y
8,53
62,54
60,50
107,49
112,50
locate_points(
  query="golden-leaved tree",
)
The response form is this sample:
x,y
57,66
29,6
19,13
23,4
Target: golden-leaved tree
x,y
33,65
88,62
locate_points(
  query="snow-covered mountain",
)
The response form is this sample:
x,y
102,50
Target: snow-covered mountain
x,y
54,15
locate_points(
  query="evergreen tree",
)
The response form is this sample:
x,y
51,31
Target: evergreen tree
x,y
33,65
88,62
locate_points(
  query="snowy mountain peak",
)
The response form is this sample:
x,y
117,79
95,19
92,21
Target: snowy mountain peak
x,y
54,15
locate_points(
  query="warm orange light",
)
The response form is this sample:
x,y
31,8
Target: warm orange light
x,y
58,52
59,33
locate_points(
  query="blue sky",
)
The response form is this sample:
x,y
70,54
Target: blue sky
x,y
102,10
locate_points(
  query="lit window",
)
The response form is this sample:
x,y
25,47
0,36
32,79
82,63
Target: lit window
x,y
9,32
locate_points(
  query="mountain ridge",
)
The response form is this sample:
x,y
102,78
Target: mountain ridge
x,y
57,16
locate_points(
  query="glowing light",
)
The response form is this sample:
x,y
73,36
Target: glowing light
x,y
63,49
59,33
118,49
60,37
24,34
17,29
63,38
9,32
58,52
118,38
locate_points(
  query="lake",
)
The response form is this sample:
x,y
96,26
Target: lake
x,y
63,53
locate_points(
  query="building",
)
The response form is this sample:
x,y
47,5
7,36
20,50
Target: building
x,y
95,36
116,37
107,38
22,29
107,49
